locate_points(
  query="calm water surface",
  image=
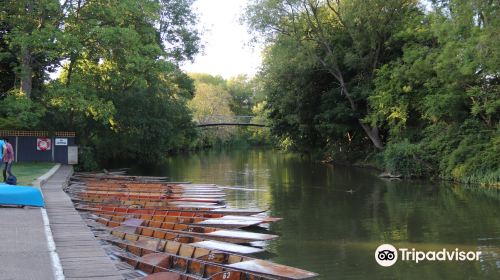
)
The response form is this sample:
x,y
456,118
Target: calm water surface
x,y
335,217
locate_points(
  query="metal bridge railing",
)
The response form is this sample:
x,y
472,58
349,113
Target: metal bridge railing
x,y
221,120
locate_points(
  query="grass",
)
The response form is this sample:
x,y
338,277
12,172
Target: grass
x,y
26,172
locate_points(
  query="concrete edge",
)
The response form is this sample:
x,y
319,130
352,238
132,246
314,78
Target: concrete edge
x,y
45,177
57,268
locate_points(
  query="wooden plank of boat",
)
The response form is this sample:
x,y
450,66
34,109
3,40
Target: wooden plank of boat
x,y
185,204
229,236
153,194
163,266
145,203
211,218
240,234
228,223
140,191
192,188
161,197
102,176
219,209
145,227
238,212
189,254
177,211
268,268
227,247
163,276
152,243
145,188
262,220
171,219
197,221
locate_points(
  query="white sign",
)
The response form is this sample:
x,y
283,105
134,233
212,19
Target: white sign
x,y
61,141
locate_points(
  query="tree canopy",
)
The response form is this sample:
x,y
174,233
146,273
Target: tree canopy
x,y
420,84
119,87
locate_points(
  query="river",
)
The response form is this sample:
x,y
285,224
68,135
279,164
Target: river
x,y
334,217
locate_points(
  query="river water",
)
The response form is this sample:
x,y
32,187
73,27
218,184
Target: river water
x,y
334,217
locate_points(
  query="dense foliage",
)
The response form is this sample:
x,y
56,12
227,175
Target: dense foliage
x,y
119,88
414,87
219,99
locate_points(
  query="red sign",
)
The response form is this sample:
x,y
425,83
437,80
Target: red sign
x,y
43,144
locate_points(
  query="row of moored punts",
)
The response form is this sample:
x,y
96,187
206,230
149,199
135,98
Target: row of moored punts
x,y
177,230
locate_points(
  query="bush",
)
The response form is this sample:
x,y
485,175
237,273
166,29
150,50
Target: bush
x,y
405,158
479,161
86,159
467,153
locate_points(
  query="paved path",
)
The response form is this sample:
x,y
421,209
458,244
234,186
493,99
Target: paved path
x,y
24,253
79,252
25,250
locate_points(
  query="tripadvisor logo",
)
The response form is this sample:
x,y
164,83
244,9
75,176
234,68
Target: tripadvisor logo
x,y
387,255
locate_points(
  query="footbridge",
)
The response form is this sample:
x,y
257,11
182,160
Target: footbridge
x,y
221,120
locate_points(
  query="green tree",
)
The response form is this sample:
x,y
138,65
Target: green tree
x,y
442,94
211,101
243,95
31,30
347,38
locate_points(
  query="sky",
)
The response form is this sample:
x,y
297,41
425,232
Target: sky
x,y
227,52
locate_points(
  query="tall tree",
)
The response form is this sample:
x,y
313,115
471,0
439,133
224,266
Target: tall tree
x,y
350,39
32,32
120,86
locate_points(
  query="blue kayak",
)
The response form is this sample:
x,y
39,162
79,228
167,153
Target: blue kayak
x,y
20,195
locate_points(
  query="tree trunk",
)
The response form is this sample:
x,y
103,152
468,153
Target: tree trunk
x,y
26,73
70,69
373,134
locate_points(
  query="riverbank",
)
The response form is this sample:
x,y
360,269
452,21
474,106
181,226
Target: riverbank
x,y
406,164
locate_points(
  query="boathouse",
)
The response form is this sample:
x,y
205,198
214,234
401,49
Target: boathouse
x,y
43,146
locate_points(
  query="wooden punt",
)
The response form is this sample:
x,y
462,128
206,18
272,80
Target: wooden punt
x,y
209,210
129,233
143,202
148,196
166,267
219,212
104,176
187,258
210,219
169,219
226,222
85,205
230,221
160,229
147,185
153,194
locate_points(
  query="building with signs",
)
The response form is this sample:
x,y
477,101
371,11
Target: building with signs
x,y
43,146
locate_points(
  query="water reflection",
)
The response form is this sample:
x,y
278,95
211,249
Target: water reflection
x,y
335,217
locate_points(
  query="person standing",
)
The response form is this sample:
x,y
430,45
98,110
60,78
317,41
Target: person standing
x,y
8,159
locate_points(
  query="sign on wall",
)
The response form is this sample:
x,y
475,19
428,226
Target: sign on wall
x,y
61,142
43,144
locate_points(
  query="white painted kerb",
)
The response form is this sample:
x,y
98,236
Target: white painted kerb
x,y
54,257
